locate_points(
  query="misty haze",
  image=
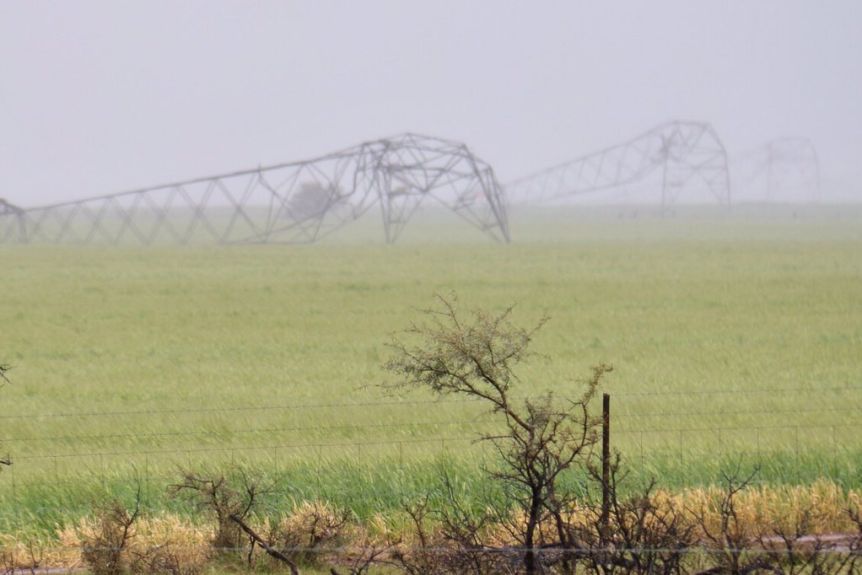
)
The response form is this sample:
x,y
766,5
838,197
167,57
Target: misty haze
x,y
431,287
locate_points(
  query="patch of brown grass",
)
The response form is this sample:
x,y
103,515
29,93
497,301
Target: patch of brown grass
x,y
172,544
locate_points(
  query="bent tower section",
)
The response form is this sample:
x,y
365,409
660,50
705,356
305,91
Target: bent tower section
x,y
687,153
295,202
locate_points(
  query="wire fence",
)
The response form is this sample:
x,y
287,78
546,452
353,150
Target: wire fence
x,y
668,433
626,424
480,429
398,402
829,546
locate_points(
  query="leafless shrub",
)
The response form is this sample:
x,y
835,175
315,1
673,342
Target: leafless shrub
x,y
231,508
105,548
19,557
469,545
312,532
224,502
730,545
366,550
642,535
35,554
797,551
854,545
417,555
8,562
163,559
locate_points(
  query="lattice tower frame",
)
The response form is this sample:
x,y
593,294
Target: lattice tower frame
x,y
683,150
784,163
290,202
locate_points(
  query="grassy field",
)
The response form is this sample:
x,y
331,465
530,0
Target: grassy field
x,y
732,335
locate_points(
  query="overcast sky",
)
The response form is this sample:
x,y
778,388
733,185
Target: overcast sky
x,y
104,96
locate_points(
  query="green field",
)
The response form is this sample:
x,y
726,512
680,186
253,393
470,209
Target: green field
x,y
732,335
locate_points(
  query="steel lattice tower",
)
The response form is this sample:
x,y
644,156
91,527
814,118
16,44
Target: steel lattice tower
x,y
291,202
783,166
684,151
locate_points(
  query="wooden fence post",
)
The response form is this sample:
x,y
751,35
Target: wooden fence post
x,y
606,465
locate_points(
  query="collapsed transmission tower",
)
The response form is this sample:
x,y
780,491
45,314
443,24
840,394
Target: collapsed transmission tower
x,y
781,169
290,202
688,153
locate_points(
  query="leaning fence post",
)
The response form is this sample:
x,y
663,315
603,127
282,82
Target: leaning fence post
x,y
606,464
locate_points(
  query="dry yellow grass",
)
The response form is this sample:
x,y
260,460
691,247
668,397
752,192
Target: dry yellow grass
x,y
822,506
185,541
817,509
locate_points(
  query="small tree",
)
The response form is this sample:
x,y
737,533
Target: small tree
x,y
542,437
313,200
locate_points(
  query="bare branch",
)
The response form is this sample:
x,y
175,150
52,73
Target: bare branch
x,y
542,437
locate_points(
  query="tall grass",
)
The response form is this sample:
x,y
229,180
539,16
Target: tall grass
x,y
731,335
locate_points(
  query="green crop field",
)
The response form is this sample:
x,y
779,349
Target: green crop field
x,y
733,336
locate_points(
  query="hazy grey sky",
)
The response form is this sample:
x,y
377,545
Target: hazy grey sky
x,y
100,96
